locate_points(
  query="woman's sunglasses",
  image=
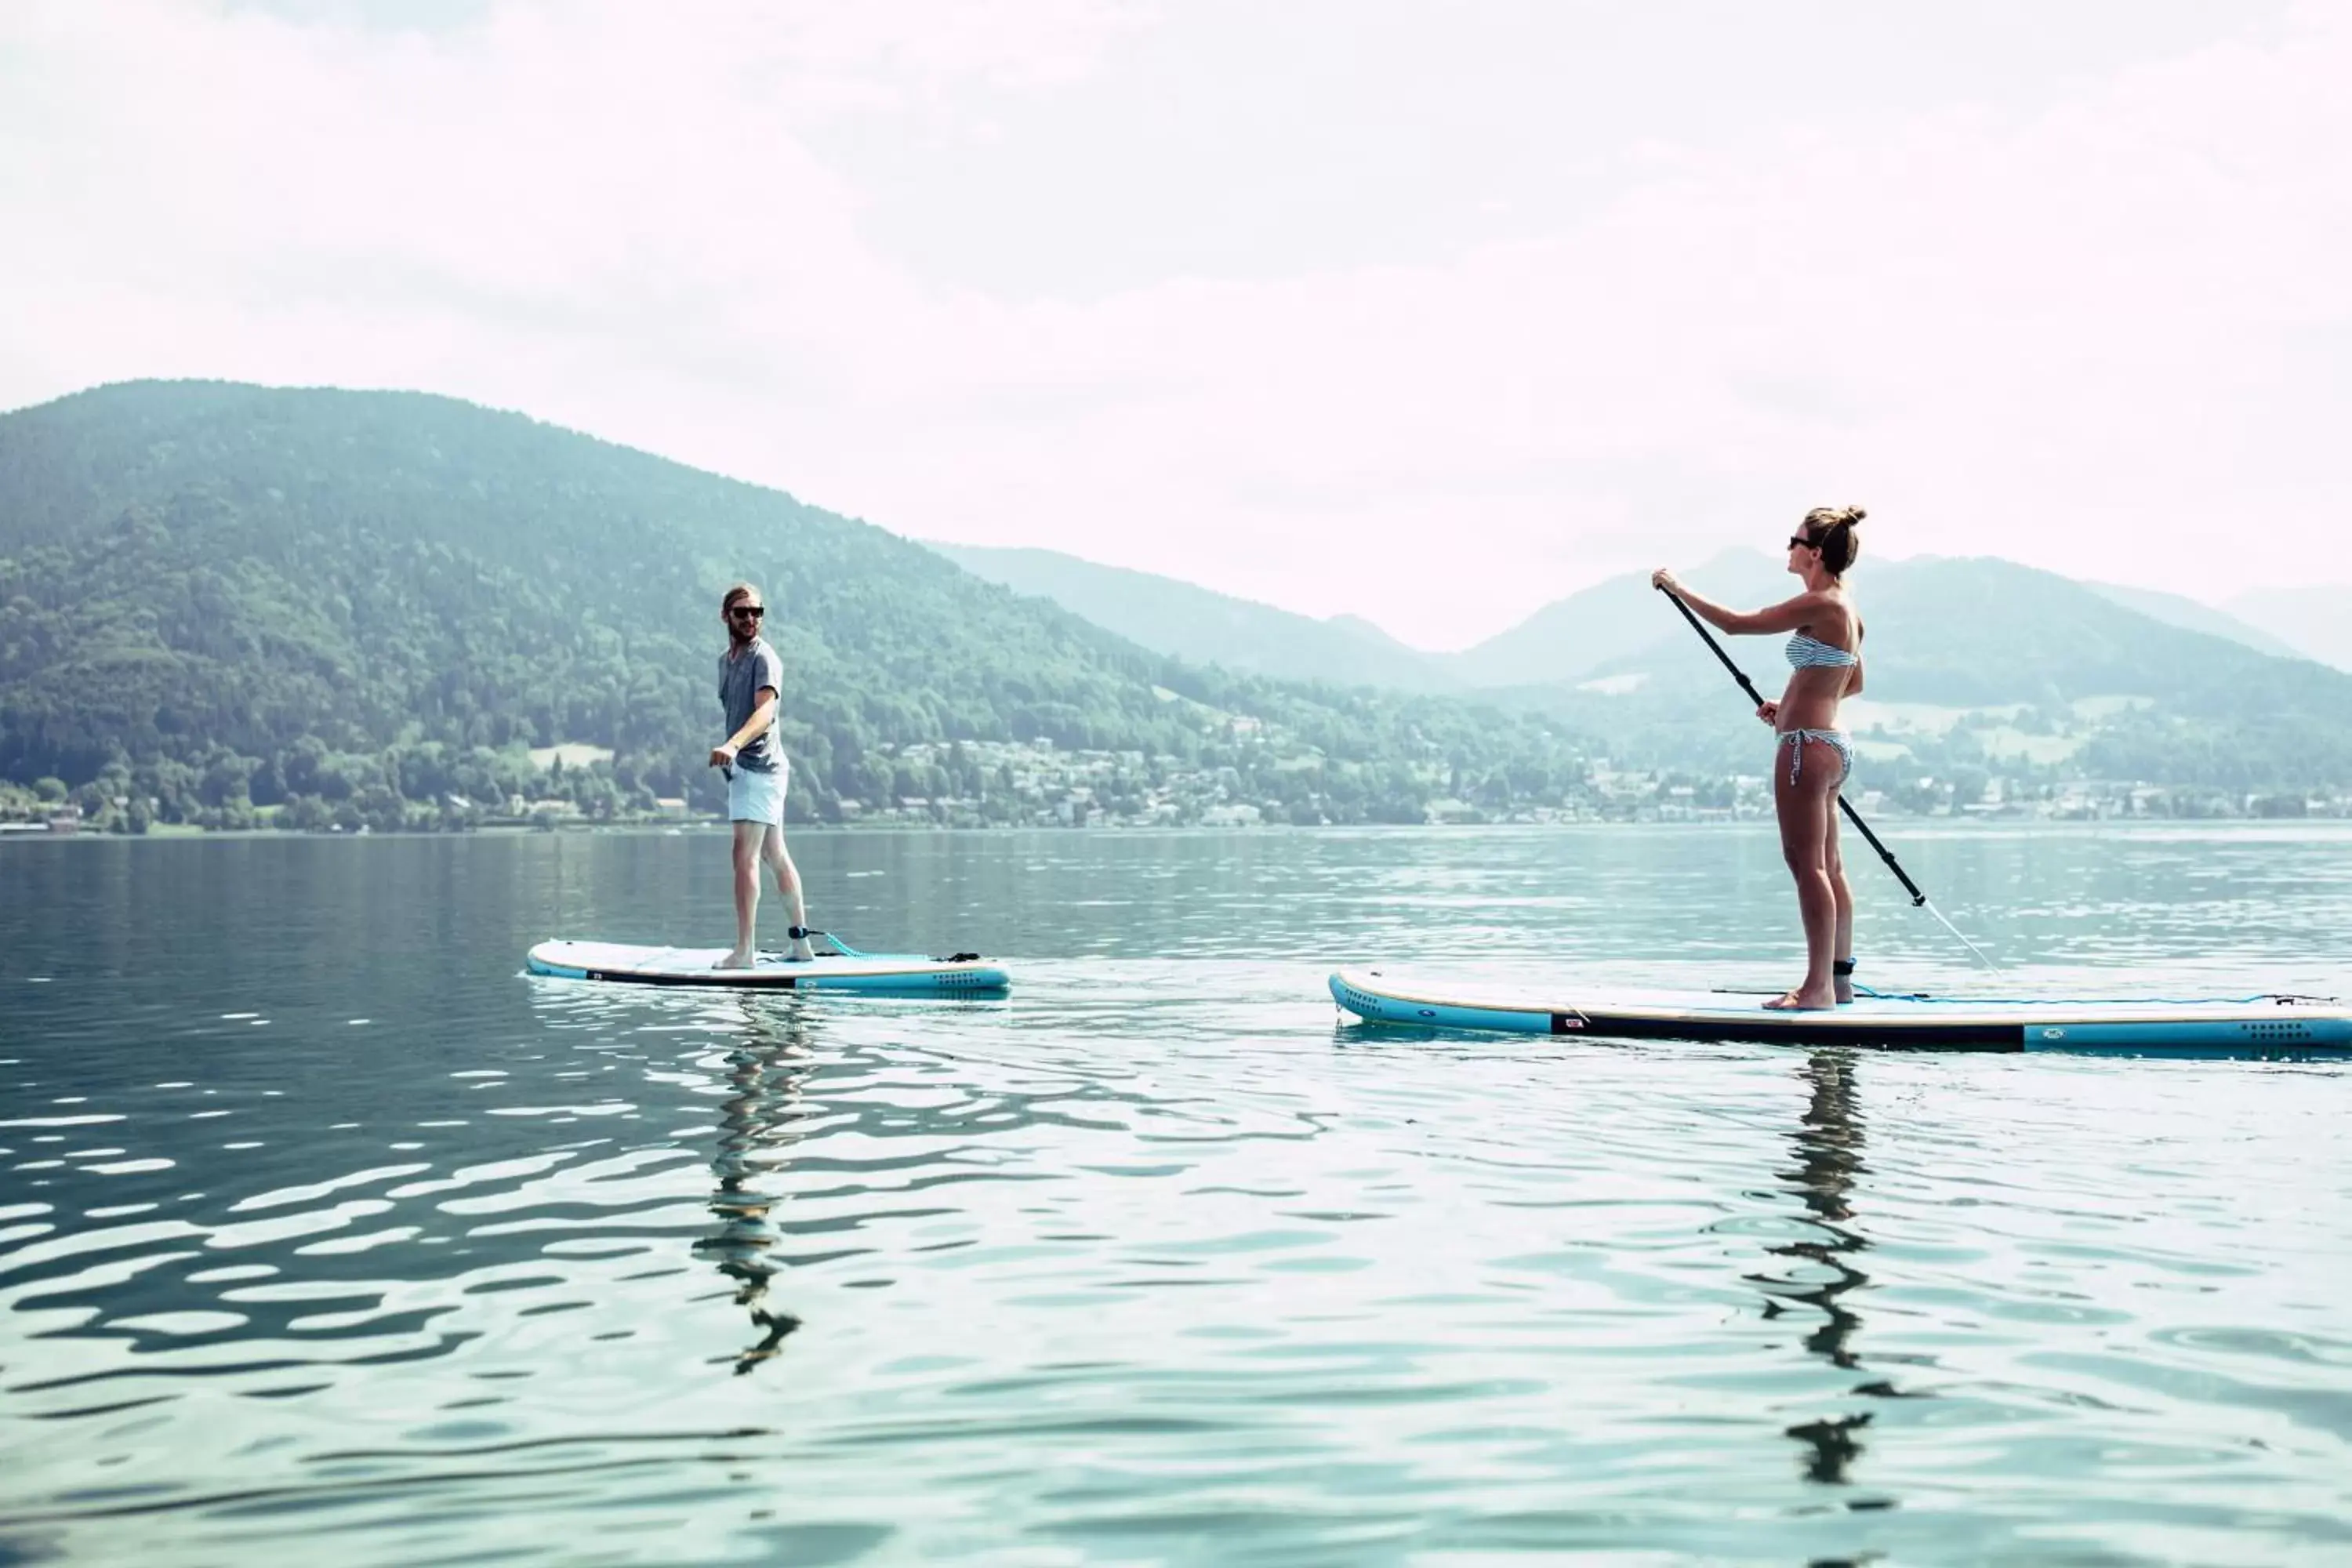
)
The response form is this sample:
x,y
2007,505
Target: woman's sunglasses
x,y
1799,542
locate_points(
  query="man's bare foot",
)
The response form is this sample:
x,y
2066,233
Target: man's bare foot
x,y
739,958
1802,1000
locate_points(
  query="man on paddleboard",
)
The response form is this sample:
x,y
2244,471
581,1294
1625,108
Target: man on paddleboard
x,y
751,679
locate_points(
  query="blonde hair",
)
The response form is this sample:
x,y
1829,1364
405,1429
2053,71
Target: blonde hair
x,y
1831,529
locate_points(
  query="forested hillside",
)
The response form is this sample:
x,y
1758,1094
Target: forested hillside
x,y
218,601
365,604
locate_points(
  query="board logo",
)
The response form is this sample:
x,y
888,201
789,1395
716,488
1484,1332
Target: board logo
x,y
1566,1022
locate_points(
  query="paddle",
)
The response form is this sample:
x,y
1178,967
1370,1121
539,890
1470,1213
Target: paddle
x,y
1919,898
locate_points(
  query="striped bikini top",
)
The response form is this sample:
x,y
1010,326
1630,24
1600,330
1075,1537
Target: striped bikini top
x,y
1809,653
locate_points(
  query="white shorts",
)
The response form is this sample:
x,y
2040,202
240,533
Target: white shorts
x,y
758,797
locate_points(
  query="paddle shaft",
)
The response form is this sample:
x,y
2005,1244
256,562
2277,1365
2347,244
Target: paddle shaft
x,y
1910,886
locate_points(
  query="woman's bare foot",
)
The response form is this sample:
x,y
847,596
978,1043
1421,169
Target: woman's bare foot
x,y
1844,992
735,960
1802,1000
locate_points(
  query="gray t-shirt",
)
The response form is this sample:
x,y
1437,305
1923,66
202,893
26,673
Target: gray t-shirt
x,y
740,675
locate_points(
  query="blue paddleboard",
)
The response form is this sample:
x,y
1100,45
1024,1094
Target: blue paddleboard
x,y
2245,1025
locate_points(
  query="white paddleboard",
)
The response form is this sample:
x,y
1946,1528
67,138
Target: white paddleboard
x,y
905,974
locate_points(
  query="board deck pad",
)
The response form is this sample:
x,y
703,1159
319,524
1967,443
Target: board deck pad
x,y
2245,1025
903,973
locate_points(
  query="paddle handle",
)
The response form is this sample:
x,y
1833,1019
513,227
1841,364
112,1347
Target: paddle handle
x,y
1739,675
1714,647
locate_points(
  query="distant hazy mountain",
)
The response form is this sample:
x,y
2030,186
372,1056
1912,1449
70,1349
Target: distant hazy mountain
x,y
1955,632
2177,610
1561,642
2316,620
1574,636
1974,633
2113,683
1992,637
1359,626
1203,626
1570,639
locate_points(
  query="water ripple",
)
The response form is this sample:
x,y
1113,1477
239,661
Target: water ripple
x,y
1156,1261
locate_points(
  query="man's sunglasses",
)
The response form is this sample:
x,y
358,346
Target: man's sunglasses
x,y
754,611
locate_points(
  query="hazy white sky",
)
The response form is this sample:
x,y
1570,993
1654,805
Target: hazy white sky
x,y
1432,313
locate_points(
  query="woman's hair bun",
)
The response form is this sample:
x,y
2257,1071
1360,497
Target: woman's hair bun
x,y
1831,529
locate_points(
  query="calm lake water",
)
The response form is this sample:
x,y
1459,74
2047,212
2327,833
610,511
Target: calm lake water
x,y
324,1232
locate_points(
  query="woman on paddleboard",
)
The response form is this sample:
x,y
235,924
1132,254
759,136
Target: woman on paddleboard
x,y
751,681
1814,755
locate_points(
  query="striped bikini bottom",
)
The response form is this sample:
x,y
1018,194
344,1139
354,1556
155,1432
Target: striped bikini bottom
x,y
1836,740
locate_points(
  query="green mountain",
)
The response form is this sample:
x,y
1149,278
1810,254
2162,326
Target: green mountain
x,y
1195,624
220,596
368,607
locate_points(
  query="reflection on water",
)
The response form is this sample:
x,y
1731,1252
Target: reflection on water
x,y
765,1077
1829,1158
323,1231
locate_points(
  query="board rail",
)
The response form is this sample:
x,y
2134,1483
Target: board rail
x,y
892,973
2265,1025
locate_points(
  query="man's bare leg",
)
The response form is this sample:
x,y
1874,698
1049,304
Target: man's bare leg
x,y
788,884
746,893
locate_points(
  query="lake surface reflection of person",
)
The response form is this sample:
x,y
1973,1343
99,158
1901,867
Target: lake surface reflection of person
x,y
1827,1143
767,1073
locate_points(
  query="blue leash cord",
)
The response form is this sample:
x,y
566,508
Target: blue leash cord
x,y
839,946
844,950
